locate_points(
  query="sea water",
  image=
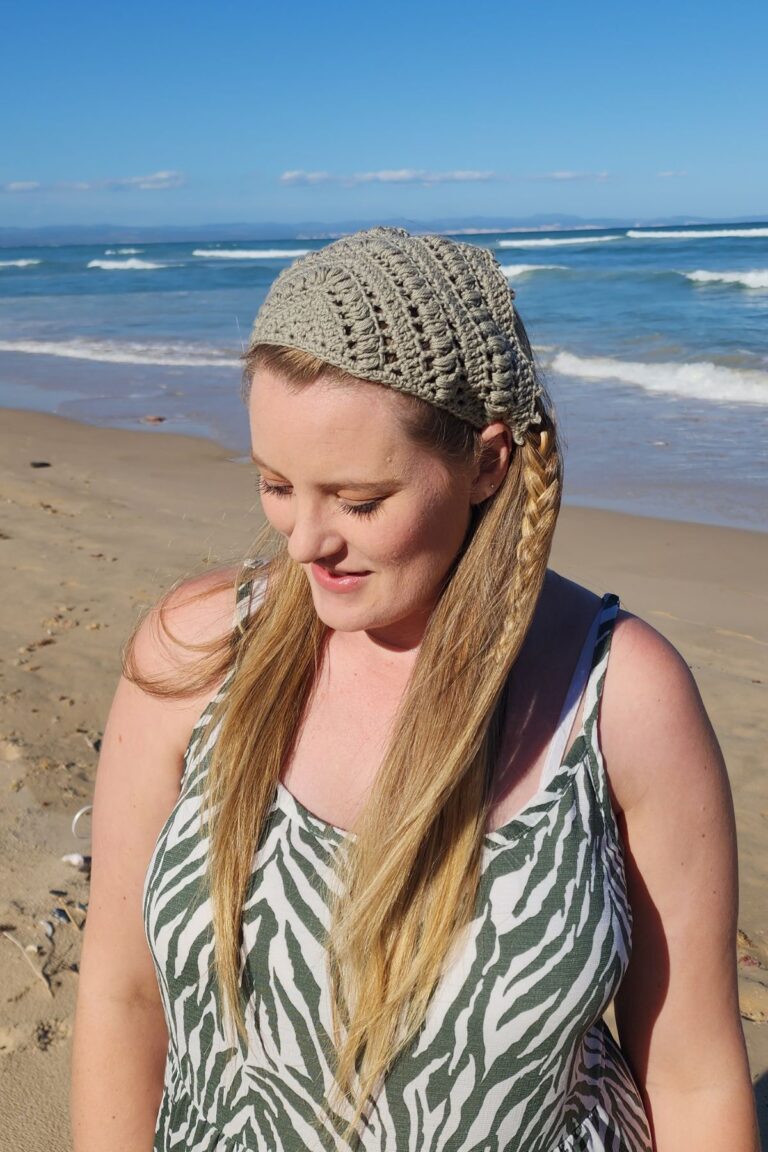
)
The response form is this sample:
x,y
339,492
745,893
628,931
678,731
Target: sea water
x,y
653,343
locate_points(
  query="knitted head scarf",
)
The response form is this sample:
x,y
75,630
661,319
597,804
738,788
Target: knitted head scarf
x,y
426,315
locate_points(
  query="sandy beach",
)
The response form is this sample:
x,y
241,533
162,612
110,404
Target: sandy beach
x,y
96,522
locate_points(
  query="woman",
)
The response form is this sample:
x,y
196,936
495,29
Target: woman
x,y
404,832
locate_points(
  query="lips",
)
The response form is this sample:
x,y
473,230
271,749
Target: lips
x,y
338,579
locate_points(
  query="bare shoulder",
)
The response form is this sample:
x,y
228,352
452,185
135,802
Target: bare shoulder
x,y
655,733
166,686
189,617
138,778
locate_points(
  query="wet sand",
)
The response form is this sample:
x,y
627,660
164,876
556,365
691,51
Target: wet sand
x,y
111,519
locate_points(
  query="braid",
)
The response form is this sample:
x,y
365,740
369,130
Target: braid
x,y
542,479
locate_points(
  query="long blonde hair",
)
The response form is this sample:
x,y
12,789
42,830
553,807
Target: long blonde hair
x,y
409,877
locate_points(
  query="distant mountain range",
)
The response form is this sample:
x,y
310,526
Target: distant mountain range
x,y
317,230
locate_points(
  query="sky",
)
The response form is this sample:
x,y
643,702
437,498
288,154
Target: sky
x,y
297,110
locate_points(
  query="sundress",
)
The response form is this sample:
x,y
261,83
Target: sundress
x,y
513,1056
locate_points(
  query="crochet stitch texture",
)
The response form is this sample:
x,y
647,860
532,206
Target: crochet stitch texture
x,y
425,315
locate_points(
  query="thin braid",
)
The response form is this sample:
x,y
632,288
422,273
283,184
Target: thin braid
x,y
542,479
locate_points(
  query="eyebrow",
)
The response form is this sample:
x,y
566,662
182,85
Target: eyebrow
x,y
350,485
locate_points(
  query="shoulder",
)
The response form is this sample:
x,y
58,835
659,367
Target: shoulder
x,y
190,617
176,659
655,734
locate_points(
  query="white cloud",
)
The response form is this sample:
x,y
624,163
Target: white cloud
x,y
157,181
671,175
21,186
390,176
296,176
568,175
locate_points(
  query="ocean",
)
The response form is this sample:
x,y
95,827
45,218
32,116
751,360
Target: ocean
x,y
653,343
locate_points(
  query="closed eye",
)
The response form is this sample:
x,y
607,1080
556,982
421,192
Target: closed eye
x,y
268,489
369,508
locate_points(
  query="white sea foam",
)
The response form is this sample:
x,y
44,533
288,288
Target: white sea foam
x,y
556,242
698,380
756,278
251,253
123,251
124,352
18,263
124,265
709,234
512,270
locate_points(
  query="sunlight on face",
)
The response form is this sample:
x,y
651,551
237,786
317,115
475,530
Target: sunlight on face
x,y
352,494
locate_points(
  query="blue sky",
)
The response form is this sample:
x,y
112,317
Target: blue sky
x,y
185,113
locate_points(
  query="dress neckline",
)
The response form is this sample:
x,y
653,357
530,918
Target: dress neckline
x,y
557,774
525,820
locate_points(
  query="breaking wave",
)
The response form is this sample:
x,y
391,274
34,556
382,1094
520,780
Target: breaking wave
x,y
756,278
251,253
692,234
124,265
123,251
18,263
698,380
552,242
115,352
512,270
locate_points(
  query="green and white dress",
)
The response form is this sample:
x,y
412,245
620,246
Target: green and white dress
x,y
513,1055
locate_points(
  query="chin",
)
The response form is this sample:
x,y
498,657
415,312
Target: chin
x,y
343,616
339,616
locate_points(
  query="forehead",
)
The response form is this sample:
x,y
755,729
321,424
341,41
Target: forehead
x,y
328,420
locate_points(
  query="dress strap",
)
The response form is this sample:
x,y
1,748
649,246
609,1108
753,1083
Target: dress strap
x,y
573,698
592,697
594,690
249,592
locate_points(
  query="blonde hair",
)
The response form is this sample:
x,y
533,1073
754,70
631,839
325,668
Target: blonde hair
x,y
409,878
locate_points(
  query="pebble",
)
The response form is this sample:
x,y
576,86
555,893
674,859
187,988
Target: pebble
x,y
39,464
83,863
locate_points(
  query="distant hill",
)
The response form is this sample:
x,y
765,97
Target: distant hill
x,y
269,230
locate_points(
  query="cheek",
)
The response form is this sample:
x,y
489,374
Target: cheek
x,y
277,515
432,535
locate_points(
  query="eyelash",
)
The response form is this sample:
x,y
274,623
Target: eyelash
x,y
370,508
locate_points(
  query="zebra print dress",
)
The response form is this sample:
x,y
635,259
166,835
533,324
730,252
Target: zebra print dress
x,y
513,1055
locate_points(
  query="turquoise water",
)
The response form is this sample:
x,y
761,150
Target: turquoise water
x,y
653,342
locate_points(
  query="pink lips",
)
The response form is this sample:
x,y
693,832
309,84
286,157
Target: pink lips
x,y
338,581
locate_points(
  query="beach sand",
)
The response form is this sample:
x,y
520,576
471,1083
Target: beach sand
x,y
115,517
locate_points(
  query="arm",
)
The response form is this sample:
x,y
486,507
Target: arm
x,y
677,1009
120,1038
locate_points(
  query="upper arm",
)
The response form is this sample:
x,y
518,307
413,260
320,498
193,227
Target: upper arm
x,y
137,785
677,1009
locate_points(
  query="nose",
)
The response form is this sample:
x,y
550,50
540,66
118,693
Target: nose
x,y
310,537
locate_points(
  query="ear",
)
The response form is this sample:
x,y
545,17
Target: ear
x,y
495,456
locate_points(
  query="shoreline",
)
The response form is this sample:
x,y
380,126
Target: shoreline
x,y
117,515
579,489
